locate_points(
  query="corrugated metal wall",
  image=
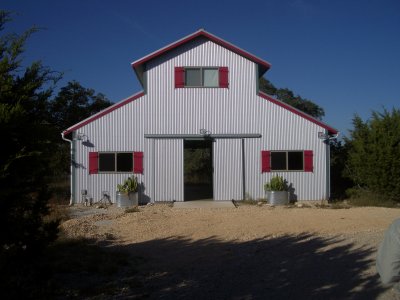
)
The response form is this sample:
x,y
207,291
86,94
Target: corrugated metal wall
x,y
166,110
168,170
228,169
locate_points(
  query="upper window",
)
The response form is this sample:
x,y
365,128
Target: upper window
x,y
201,77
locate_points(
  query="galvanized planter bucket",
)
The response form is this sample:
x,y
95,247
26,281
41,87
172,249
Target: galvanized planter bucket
x,y
127,199
277,197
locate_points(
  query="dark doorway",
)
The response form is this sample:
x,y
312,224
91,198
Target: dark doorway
x,y
198,170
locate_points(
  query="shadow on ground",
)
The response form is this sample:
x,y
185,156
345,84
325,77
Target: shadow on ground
x,y
288,267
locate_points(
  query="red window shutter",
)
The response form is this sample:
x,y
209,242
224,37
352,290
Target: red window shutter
x,y
265,161
179,77
223,77
93,162
138,162
308,161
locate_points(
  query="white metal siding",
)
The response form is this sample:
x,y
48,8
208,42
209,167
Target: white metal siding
x,y
228,169
233,110
168,170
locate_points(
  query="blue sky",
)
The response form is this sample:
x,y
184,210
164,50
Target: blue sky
x,y
343,55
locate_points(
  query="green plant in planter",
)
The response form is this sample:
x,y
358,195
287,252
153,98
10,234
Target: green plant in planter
x,y
130,185
277,183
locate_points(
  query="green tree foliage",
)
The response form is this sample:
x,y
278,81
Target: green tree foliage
x,y
339,182
374,154
26,145
72,104
198,166
75,103
288,97
30,125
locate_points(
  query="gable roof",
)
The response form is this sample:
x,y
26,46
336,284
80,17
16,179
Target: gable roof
x,y
331,130
103,113
117,105
138,65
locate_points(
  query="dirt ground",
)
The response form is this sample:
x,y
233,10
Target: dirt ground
x,y
248,252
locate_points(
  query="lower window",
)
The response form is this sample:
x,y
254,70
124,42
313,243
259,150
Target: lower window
x,y
287,160
116,162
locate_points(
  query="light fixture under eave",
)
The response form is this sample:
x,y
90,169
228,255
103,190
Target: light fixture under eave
x,y
325,136
81,137
205,132
322,135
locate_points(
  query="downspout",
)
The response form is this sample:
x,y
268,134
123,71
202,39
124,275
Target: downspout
x,y
328,167
328,161
72,170
243,171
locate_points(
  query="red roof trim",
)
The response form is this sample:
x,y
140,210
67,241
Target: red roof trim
x,y
103,112
211,37
331,130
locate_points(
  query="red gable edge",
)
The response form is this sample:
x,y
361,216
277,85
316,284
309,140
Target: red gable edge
x,y
331,130
180,42
209,36
103,112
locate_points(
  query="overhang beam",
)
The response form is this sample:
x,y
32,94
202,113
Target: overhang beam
x,y
204,136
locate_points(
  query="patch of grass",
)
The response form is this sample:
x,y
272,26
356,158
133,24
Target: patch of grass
x,y
301,205
317,205
58,212
246,202
339,205
132,210
258,202
167,203
334,205
362,197
60,191
370,201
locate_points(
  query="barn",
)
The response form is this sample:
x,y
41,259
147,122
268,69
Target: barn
x,y
199,129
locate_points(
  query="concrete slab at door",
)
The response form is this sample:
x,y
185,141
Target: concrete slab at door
x,y
204,204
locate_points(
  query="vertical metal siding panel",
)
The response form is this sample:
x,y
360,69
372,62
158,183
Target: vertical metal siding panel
x,y
168,170
228,169
253,169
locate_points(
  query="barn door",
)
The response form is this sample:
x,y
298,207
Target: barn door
x,y
168,170
198,170
228,169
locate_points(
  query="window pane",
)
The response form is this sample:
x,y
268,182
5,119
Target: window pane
x,y
295,160
106,162
124,162
278,160
192,77
210,77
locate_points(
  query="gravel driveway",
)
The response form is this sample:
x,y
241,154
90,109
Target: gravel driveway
x,y
249,252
